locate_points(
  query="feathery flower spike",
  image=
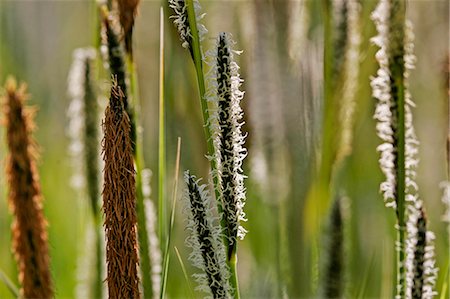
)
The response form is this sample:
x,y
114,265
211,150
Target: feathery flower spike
x,y
421,273
400,148
208,253
83,124
181,21
30,241
119,201
229,141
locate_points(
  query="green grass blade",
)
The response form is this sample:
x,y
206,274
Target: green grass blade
x,y
9,284
161,142
172,221
183,268
444,288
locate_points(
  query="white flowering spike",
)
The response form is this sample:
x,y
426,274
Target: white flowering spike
x,y
396,53
153,240
181,21
224,93
208,253
381,90
76,113
421,271
351,73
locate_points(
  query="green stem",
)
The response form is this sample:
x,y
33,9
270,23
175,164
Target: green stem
x,y
144,263
9,284
397,68
232,263
166,258
161,143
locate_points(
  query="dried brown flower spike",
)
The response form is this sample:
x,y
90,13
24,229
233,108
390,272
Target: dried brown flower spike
x,y
25,198
119,201
127,15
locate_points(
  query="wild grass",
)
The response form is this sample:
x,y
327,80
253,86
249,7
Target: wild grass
x,y
322,78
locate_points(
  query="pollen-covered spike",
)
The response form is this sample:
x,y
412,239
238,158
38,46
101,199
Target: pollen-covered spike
x,y
229,141
208,253
119,201
30,240
181,21
421,273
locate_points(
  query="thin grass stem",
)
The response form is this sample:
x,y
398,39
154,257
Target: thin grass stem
x,y
183,268
172,221
14,290
161,143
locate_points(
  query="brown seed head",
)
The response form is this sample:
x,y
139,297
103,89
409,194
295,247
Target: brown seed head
x,y
127,15
119,201
25,199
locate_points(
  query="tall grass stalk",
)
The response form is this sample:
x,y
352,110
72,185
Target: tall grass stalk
x,y
186,19
30,240
124,68
399,149
197,55
389,89
166,259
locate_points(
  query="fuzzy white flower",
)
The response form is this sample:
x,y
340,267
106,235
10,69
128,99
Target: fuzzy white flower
x,y
381,90
225,96
208,252
421,271
181,21
419,262
76,91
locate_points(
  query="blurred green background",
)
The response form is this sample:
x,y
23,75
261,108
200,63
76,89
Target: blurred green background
x,y
282,68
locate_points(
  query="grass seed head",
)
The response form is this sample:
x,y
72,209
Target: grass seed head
x,y
30,241
119,201
181,21
127,15
208,253
224,93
